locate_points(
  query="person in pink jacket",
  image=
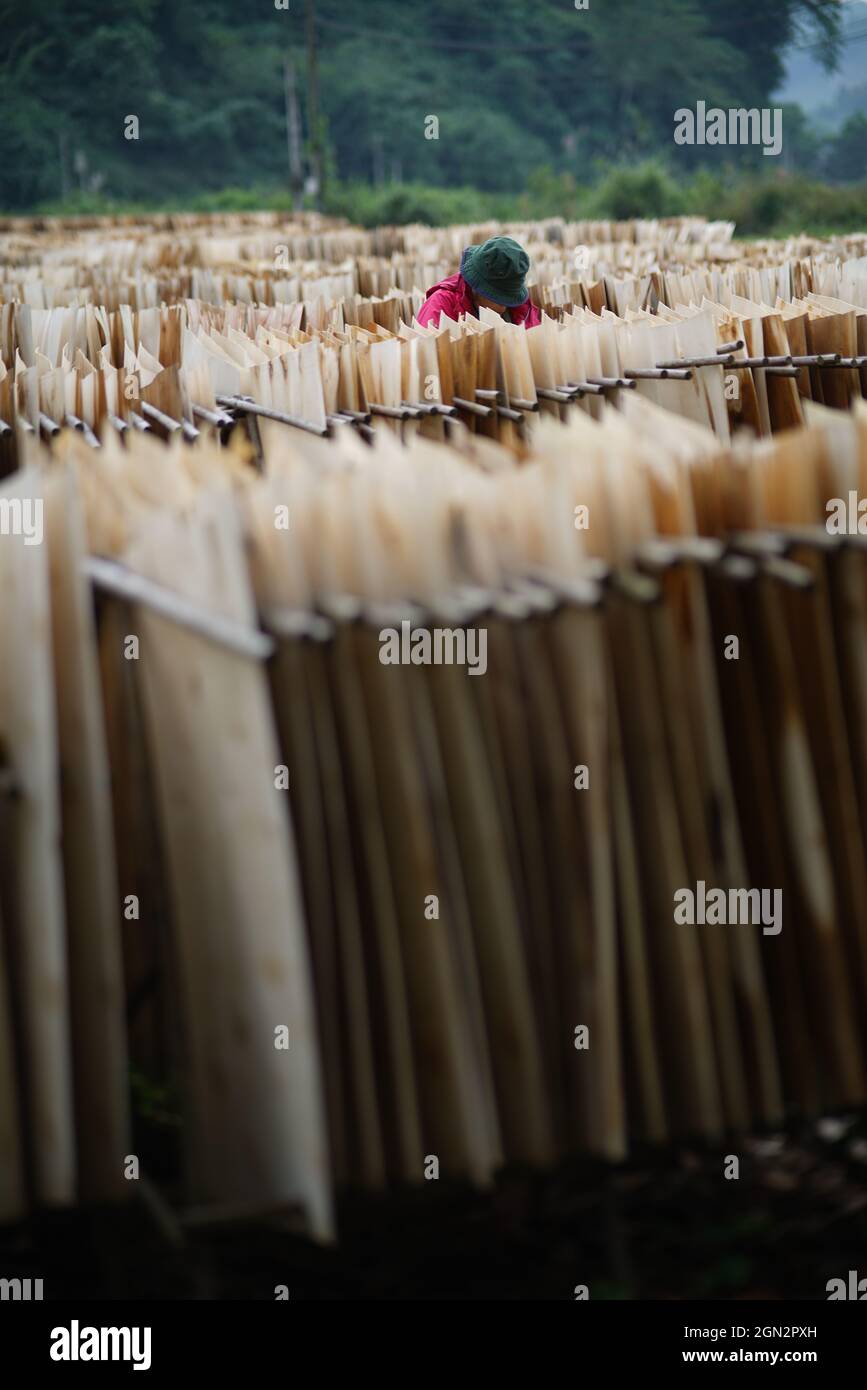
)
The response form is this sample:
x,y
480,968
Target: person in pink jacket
x,y
493,274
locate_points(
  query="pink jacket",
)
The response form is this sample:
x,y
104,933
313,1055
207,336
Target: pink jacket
x,y
454,297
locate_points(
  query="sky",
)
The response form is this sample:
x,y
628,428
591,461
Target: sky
x,y
827,96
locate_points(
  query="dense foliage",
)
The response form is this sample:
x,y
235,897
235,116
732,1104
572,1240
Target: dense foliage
x,y
516,88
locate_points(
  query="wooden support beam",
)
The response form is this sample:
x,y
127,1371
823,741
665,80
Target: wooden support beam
x,y
113,578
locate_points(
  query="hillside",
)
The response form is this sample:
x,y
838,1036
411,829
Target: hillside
x,y
547,85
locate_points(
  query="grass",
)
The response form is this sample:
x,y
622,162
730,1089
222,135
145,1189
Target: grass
x,y
776,204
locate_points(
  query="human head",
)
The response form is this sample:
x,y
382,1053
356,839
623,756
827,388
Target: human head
x,y
496,271
486,303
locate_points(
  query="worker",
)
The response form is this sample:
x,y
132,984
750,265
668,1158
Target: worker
x,y
493,274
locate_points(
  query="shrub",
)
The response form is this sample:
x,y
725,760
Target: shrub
x,y
647,190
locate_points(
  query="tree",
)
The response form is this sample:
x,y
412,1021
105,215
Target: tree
x,y
847,157
546,85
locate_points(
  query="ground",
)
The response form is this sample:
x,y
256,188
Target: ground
x,y
665,1225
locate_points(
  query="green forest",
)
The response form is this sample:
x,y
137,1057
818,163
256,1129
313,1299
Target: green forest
x,y
538,107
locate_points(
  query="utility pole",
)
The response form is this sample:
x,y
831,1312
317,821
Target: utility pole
x,y
378,160
293,132
313,117
62,145
80,165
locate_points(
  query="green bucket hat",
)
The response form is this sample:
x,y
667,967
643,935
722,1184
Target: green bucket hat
x,y
497,269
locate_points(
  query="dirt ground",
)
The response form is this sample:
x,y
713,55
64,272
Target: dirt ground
x,y
664,1225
